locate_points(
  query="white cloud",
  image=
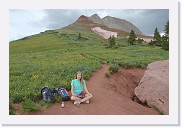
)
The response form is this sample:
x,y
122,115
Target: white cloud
x,y
162,33
25,22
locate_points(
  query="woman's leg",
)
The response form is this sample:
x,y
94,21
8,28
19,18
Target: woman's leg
x,y
86,98
74,98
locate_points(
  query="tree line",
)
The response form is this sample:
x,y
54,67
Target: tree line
x,y
158,40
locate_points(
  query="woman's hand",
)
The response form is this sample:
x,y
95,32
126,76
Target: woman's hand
x,y
86,90
89,94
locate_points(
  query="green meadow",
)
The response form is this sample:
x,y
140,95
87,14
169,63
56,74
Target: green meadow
x,y
52,58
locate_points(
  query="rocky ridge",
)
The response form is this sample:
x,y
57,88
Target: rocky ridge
x,y
115,23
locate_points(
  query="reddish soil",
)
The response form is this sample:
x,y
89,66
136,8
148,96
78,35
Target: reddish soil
x,y
111,96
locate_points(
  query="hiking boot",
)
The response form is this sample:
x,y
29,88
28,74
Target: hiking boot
x,y
87,102
77,103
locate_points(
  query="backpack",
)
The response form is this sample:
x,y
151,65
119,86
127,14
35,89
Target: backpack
x,y
63,93
47,94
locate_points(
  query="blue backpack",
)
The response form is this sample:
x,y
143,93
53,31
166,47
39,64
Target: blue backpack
x,y
47,94
63,93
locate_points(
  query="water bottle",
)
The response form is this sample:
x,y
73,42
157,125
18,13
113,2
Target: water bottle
x,y
62,105
44,95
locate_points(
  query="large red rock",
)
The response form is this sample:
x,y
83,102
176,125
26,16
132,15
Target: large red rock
x,y
154,86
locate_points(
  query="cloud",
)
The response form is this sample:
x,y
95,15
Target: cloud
x,y
24,23
148,20
58,18
145,19
27,22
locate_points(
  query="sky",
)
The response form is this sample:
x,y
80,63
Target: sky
x,y
24,23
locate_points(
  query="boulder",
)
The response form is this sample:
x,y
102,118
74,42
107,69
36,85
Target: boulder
x,y
153,88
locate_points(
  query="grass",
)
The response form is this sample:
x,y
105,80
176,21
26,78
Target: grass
x,y
29,105
53,57
160,112
11,112
45,104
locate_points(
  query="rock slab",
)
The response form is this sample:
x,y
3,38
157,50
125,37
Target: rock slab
x,y
154,86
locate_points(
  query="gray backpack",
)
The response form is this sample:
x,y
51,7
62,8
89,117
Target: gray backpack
x,y
47,94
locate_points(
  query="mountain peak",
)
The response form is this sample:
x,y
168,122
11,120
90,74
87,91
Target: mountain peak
x,y
95,18
95,15
82,17
107,17
110,17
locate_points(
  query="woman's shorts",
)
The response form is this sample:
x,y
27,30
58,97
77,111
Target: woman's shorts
x,y
81,95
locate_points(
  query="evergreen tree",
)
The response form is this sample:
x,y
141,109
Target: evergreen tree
x,y
79,36
111,41
165,38
157,38
166,29
131,39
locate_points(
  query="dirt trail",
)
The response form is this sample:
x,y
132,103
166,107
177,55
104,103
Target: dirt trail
x,y
111,96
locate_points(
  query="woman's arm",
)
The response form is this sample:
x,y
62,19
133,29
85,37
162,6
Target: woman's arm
x,y
86,90
72,88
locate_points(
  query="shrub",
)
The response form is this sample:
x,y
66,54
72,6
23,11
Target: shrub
x,y
44,103
151,43
58,98
139,41
133,63
114,68
111,41
29,105
107,74
79,36
132,38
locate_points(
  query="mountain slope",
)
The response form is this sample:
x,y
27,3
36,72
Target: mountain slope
x,y
115,23
120,24
84,23
108,23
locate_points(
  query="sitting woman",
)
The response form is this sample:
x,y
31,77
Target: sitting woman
x,y
79,90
